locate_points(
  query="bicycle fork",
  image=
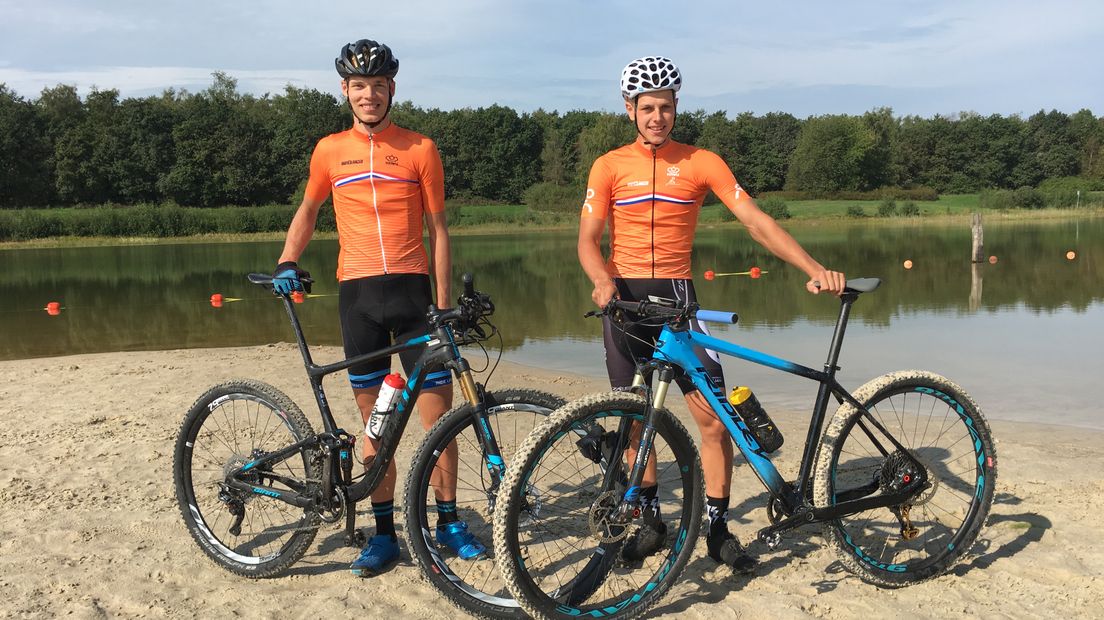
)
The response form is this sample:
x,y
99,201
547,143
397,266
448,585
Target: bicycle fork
x,y
630,507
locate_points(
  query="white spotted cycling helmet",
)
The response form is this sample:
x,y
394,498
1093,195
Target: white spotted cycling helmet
x,y
648,75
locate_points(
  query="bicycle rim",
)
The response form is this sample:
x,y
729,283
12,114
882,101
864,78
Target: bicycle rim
x,y
941,428
474,584
227,431
566,558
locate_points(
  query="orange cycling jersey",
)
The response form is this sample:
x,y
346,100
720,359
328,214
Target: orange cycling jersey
x,y
651,201
382,186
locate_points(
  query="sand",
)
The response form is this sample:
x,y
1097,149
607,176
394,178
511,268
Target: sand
x,y
90,528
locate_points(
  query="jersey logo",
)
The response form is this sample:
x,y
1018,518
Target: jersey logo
x,y
586,205
350,162
739,190
636,184
391,159
672,173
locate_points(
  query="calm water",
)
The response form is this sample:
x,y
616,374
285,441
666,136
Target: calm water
x,y
1025,336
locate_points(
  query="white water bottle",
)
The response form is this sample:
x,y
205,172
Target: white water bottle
x,y
385,403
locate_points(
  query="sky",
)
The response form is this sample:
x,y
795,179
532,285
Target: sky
x,y
918,57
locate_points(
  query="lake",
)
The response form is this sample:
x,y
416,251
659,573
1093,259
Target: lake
x,y
1025,336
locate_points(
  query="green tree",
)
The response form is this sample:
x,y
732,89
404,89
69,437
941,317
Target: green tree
x,y
829,155
300,118
1055,147
223,149
24,151
879,164
608,132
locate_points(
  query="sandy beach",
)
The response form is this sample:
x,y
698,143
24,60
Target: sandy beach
x,y
89,526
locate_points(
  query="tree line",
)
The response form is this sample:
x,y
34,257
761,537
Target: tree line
x,y
219,147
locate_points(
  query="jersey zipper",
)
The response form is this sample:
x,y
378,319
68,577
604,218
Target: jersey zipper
x,y
375,205
652,227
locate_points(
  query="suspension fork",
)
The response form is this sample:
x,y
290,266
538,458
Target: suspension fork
x,y
658,397
476,397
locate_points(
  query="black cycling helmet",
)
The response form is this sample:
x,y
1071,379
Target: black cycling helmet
x,y
366,58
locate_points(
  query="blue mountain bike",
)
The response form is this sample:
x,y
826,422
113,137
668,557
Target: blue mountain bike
x,y
901,478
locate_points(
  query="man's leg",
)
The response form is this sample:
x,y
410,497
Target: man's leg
x,y
451,530
716,456
382,549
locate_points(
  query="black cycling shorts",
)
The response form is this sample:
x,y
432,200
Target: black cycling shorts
x,y
638,341
381,310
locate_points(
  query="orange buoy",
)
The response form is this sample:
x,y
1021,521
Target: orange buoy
x,y
216,300
992,260
53,308
755,272
709,275
1071,255
297,296
908,264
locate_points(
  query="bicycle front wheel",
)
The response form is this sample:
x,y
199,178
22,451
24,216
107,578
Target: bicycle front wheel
x,y
473,584
558,537
249,534
943,429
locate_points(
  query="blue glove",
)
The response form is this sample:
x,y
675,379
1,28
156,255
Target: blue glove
x,y
288,277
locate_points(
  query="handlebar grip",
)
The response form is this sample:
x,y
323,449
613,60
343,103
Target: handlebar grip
x,y
714,316
469,286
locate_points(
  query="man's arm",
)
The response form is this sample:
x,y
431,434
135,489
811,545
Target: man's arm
x,y
301,230
592,261
440,256
764,230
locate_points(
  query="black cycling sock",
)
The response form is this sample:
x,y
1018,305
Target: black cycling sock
x,y
446,512
649,504
718,517
385,518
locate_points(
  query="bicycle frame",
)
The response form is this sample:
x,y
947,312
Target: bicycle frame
x,y
339,493
675,348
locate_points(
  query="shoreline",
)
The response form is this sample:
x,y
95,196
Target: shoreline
x,y
505,229
89,504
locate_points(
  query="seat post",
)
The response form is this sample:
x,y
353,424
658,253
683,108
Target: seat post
x,y
846,300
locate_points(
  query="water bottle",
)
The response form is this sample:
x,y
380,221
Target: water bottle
x,y
385,404
758,422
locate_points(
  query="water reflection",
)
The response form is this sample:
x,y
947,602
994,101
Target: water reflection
x,y
1031,315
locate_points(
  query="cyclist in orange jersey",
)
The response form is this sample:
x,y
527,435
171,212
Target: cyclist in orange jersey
x,y
649,194
387,185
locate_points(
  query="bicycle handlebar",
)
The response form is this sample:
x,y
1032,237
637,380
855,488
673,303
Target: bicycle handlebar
x,y
670,310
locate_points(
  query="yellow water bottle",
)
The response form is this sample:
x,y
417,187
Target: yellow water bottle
x,y
758,422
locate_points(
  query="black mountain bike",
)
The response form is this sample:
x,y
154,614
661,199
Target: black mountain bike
x,y
901,478
254,482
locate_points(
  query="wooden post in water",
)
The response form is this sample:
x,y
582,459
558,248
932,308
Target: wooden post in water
x,y
977,254
975,287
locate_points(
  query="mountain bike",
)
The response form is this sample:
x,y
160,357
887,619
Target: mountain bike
x,y
901,478
254,482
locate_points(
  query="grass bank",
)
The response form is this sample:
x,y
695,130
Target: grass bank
x,y
145,224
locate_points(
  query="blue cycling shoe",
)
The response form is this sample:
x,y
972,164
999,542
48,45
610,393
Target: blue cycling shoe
x,y
457,537
380,553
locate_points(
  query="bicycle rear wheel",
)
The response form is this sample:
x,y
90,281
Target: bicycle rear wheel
x,y
557,548
473,585
230,425
942,428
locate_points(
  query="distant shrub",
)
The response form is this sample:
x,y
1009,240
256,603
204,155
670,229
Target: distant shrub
x,y
855,211
909,209
896,193
887,208
552,197
775,207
